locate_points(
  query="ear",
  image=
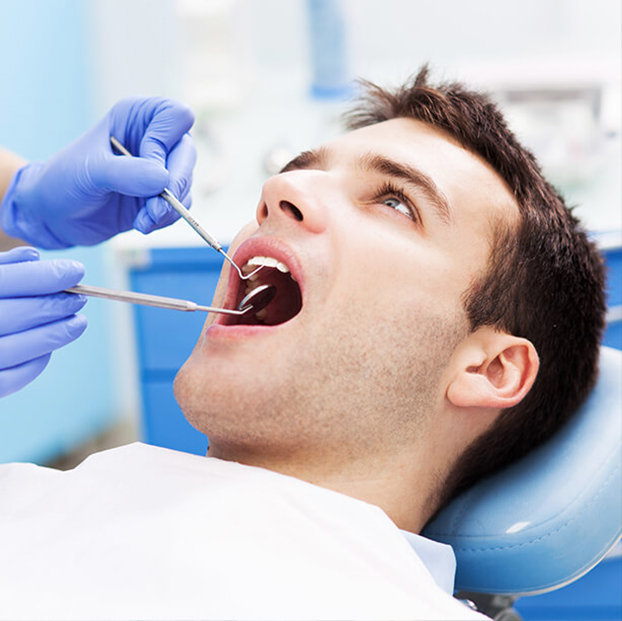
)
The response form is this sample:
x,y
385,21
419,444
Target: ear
x,y
492,369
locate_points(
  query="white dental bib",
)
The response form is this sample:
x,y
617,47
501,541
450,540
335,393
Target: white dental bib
x,y
142,532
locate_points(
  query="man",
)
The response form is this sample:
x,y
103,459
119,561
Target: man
x,y
425,332
438,271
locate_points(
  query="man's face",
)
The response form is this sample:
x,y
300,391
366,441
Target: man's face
x,y
383,229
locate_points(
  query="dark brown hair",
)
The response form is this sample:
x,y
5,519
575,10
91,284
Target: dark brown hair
x,y
544,280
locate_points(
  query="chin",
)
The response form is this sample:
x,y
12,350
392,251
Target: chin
x,y
202,400
219,403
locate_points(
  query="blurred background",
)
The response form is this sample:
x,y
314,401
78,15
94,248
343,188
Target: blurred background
x,y
268,78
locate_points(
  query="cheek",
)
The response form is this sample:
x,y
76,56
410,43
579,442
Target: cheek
x,y
405,278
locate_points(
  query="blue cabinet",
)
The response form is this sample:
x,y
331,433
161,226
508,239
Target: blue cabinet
x,y
613,261
166,424
166,338
595,597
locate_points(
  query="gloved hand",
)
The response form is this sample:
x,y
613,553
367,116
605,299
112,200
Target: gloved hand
x,y
35,319
86,193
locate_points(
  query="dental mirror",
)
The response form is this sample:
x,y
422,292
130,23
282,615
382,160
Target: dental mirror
x,y
257,299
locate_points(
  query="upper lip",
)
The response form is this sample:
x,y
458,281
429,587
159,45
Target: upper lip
x,y
262,247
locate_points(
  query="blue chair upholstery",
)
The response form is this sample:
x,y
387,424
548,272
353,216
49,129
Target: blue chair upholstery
x,y
552,516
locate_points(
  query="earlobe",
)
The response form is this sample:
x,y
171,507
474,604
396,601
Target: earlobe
x,y
492,370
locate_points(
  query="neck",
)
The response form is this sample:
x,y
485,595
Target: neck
x,y
402,488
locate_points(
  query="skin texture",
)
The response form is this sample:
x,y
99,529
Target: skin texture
x,y
377,385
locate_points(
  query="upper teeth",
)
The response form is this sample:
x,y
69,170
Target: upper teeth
x,y
265,262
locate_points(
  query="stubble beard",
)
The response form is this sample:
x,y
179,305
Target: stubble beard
x,y
342,396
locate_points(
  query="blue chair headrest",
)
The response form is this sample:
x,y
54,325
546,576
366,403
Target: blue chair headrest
x,y
550,517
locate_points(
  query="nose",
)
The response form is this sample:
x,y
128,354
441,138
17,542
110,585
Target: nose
x,y
296,197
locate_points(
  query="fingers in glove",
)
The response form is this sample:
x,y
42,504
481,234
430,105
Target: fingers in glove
x,y
180,164
145,223
21,347
30,278
19,314
15,378
19,255
170,121
131,176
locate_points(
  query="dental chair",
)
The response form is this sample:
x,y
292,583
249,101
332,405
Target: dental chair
x,y
549,518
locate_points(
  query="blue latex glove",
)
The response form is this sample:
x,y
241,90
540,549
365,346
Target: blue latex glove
x,y
86,193
35,319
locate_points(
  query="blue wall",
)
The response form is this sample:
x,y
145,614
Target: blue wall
x,y
44,75
46,103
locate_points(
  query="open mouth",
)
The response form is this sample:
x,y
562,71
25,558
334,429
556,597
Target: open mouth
x,y
287,302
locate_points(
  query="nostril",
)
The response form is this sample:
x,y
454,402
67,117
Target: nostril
x,y
292,209
262,212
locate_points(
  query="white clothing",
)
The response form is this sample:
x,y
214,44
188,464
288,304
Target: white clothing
x,y
141,532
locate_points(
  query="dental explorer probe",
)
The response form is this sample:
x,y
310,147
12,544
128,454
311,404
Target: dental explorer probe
x,y
168,196
256,300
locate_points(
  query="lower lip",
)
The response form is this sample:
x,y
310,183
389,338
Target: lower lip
x,y
233,333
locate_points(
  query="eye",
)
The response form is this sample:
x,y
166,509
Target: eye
x,y
398,205
390,195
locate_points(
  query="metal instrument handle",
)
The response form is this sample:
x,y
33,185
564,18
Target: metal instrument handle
x,y
147,299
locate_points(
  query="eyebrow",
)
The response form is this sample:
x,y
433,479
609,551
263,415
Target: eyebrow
x,y
315,158
377,163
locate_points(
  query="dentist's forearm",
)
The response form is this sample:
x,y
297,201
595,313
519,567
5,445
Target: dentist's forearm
x,y
10,163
